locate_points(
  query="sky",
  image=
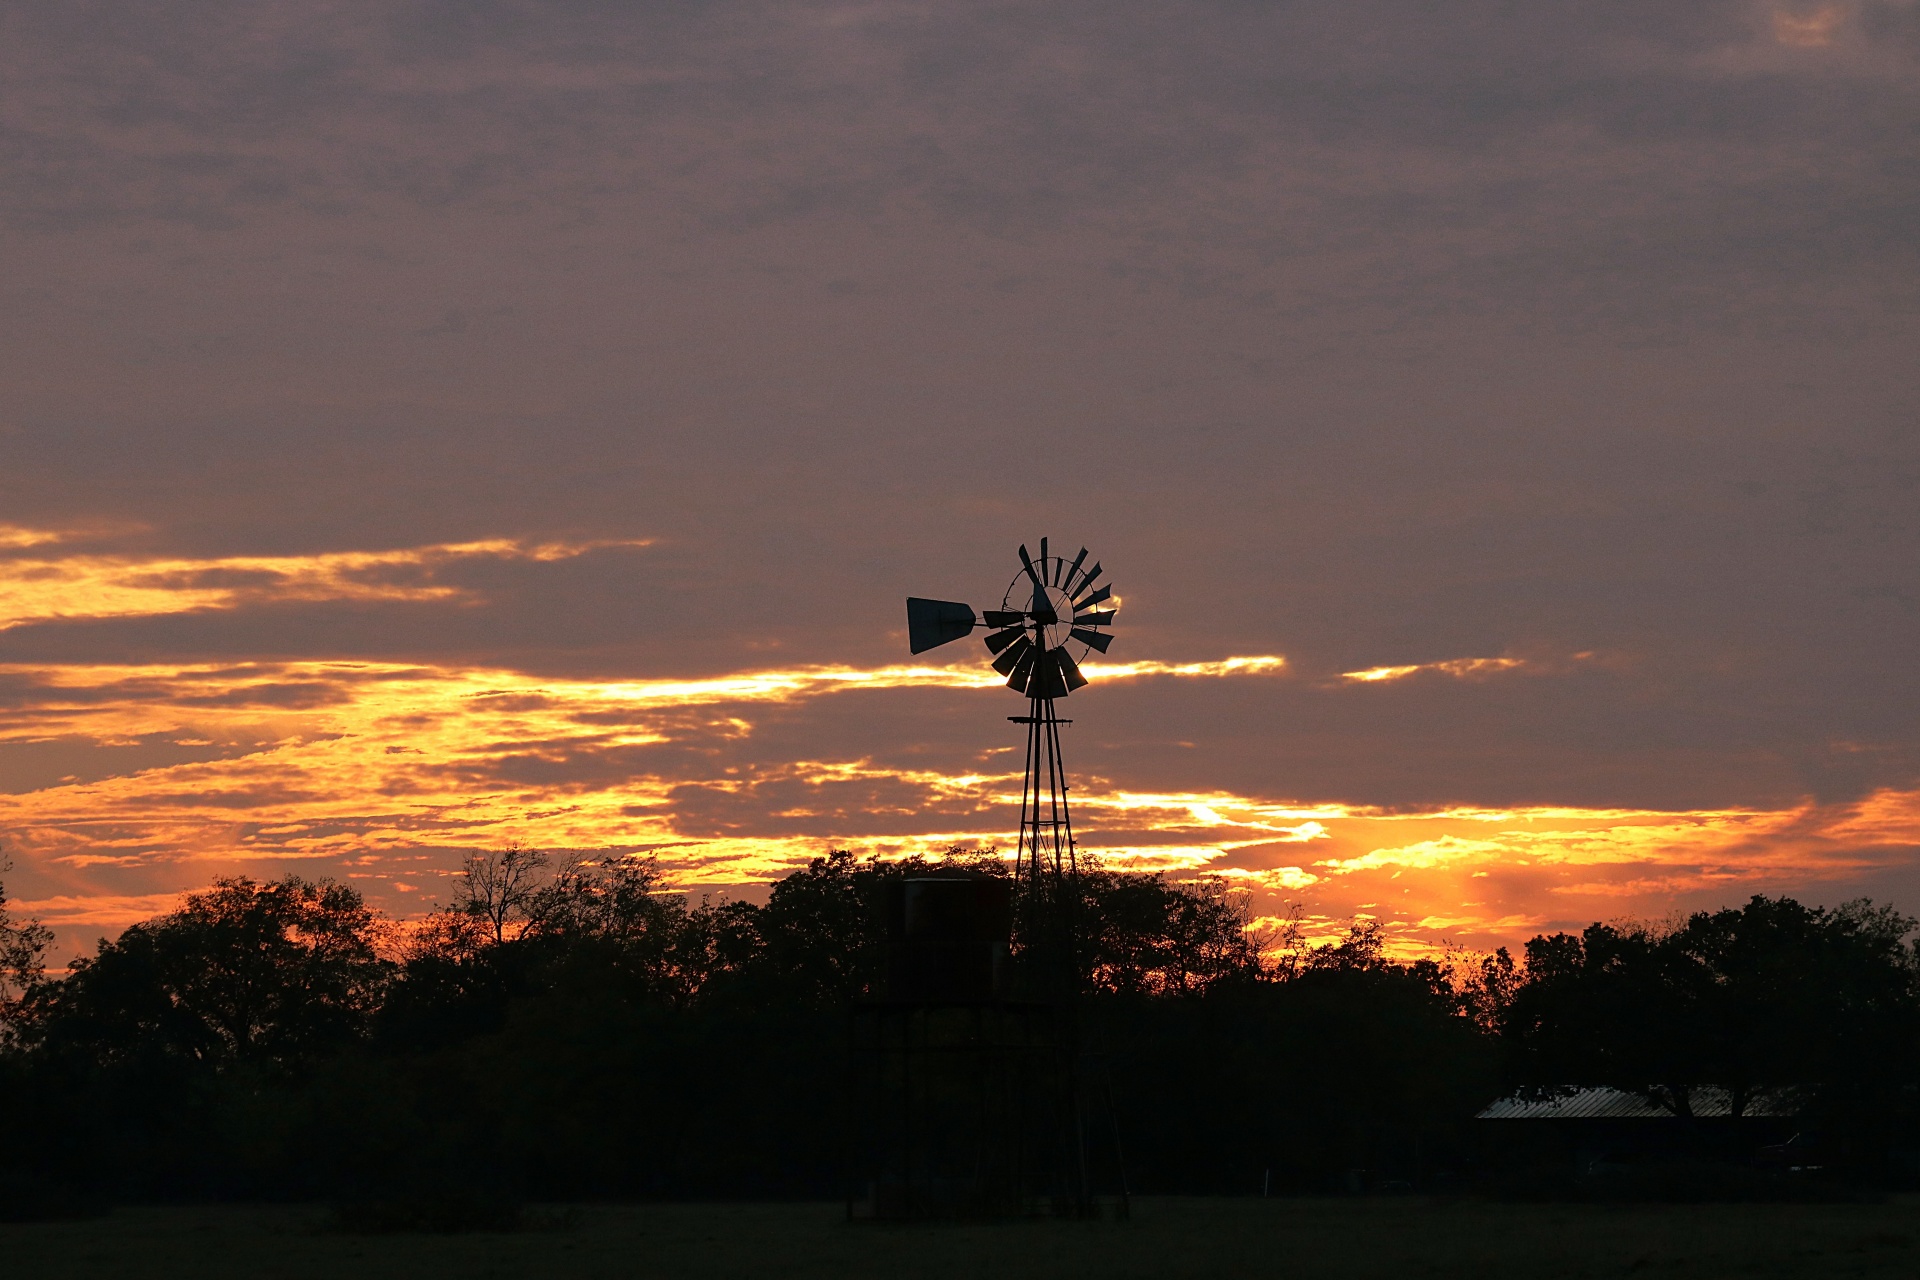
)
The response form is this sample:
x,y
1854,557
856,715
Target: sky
x,y
432,424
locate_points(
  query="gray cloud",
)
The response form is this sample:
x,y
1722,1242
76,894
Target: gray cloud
x,y
1365,333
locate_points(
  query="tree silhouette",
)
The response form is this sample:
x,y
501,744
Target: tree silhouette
x,y
1145,935
1772,993
614,899
241,972
501,891
23,956
256,1037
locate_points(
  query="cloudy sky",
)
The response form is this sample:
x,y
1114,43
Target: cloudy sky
x,y
430,424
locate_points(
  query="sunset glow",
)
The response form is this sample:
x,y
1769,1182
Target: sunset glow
x,y
39,588
385,773
1810,28
1495,429
1460,668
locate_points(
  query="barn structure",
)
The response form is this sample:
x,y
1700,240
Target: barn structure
x,y
1593,1129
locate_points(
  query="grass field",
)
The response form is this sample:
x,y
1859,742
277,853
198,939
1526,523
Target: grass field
x,y
1296,1239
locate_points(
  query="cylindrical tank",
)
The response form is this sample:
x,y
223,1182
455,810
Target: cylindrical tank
x,y
948,936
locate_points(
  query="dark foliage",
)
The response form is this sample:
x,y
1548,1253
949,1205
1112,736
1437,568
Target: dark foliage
x,y
575,1030
1682,1180
23,954
1349,1062
1772,993
242,974
1819,1007
443,1210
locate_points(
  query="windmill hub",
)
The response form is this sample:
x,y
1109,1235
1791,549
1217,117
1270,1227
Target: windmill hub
x,y
1051,610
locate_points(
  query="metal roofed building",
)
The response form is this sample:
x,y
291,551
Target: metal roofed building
x,y
1577,1128
1601,1102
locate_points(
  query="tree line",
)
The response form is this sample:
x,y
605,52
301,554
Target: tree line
x,y
572,1028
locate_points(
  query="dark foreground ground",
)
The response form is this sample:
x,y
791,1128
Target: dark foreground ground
x,y
1167,1238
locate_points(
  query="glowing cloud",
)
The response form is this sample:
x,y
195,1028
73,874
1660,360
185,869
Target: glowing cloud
x,y
382,772
14,536
345,761
1812,30
100,910
116,586
1458,668
1263,665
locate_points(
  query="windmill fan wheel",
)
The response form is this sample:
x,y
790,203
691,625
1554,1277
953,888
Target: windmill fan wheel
x,y
1052,608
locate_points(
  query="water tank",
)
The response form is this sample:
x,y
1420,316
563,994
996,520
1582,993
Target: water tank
x,y
948,936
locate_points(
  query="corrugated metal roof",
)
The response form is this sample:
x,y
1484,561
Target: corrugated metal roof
x,y
1603,1103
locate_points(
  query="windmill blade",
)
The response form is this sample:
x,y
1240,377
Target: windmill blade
x,y
1097,639
1026,562
1096,619
1069,670
1043,553
1020,650
1001,639
1087,581
932,623
1048,681
1003,618
1066,583
1023,669
1103,593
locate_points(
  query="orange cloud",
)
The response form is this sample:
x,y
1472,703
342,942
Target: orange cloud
x,y
380,772
15,536
318,760
103,910
116,586
1812,30
1459,668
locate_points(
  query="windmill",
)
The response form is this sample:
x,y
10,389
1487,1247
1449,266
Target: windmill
x,y
974,1084
1051,608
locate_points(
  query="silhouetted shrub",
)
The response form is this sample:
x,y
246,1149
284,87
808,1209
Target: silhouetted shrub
x,y
25,1198
1675,1180
443,1210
